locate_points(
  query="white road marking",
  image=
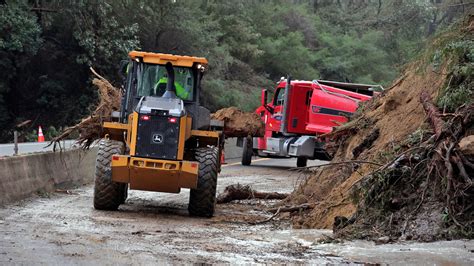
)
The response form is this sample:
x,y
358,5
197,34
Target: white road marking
x,y
262,159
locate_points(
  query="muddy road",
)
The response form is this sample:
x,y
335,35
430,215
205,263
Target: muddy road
x,y
155,227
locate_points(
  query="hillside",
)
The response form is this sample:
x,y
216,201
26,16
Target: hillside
x,y
416,182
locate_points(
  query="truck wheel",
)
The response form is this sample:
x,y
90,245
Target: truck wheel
x,y
108,195
301,162
247,151
202,199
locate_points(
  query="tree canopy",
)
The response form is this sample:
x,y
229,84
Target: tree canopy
x,y
47,46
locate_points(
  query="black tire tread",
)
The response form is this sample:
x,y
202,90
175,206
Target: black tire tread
x,y
202,200
108,195
247,152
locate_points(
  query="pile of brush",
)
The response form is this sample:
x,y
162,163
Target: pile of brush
x,y
434,174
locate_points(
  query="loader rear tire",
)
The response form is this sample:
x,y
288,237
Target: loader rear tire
x,y
202,200
108,195
247,151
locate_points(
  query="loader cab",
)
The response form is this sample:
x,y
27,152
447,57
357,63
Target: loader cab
x,y
152,81
154,76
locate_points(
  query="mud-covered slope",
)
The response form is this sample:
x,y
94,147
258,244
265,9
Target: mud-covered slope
x,y
397,188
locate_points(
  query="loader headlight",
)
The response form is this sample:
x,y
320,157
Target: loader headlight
x,y
201,67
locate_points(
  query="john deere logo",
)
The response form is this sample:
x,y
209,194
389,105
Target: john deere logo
x,y
157,138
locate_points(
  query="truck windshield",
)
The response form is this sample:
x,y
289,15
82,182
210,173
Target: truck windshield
x,y
152,81
279,96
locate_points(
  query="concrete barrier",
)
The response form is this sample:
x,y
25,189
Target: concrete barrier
x,y
22,176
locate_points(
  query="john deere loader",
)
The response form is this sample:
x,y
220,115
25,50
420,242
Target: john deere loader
x,y
162,139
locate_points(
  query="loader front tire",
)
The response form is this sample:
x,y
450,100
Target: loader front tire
x,y
108,195
202,199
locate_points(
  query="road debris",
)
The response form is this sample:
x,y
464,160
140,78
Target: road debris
x,y
242,192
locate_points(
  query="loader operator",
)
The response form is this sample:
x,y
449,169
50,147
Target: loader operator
x,y
181,92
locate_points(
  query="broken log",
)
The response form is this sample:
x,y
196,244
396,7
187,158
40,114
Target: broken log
x,y
433,114
241,192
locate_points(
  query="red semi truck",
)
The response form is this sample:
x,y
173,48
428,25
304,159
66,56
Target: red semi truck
x,y
299,113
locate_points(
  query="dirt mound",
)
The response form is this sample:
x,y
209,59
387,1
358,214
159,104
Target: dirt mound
x,y
395,115
238,123
385,193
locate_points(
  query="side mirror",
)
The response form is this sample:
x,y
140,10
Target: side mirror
x,y
264,97
123,69
264,101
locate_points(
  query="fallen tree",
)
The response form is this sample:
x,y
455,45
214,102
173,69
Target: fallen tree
x,y
241,192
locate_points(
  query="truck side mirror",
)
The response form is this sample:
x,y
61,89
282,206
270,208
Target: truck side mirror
x,y
264,97
264,101
123,69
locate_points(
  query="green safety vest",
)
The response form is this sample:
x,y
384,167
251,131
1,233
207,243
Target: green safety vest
x,y
180,91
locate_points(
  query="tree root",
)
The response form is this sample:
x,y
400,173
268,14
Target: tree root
x,y
432,173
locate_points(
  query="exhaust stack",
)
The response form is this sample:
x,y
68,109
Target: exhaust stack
x,y
286,107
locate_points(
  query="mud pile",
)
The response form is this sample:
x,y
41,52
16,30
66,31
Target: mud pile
x,y
238,123
407,182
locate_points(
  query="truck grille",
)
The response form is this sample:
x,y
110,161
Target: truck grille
x,y
157,137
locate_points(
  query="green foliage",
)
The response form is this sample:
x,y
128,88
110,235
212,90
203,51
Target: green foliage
x,y
46,51
459,89
19,40
455,97
30,136
293,57
19,30
224,93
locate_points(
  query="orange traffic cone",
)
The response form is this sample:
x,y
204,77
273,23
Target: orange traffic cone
x,y
223,157
40,135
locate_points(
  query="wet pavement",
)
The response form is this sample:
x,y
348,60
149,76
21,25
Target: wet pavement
x,y
63,228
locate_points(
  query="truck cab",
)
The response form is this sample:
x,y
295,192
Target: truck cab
x,y
299,113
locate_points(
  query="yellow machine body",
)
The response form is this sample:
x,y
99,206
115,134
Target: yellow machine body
x,y
158,174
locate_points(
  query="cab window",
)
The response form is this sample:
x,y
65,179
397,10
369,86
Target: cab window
x,y
279,96
152,81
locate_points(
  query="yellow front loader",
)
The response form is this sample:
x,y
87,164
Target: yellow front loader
x,y
162,139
